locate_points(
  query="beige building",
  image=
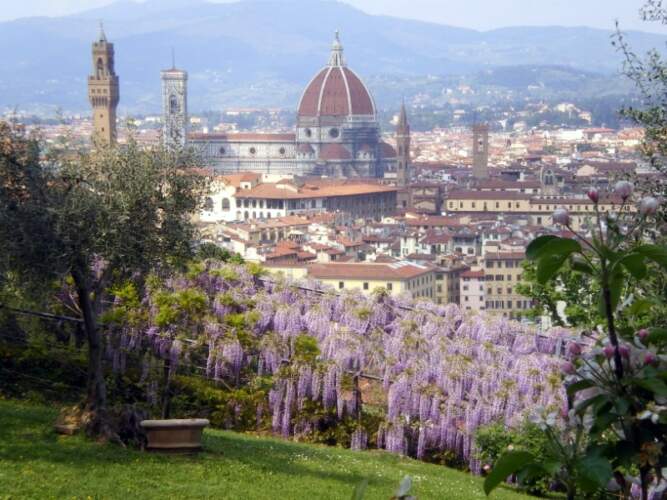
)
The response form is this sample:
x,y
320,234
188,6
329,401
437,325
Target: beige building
x,y
472,290
538,210
447,283
396,277
103,91
502,273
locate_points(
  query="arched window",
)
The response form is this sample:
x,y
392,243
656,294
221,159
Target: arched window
x,y
208,204
100,68
173,104
225,203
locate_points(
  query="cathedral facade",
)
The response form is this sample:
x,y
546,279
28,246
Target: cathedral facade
x,y
337,133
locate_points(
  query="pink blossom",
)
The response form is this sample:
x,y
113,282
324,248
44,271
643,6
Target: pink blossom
x,y
650,359
648,205
642,334
608,351
593,195
574,349
623,189
561,216
568,368
625,351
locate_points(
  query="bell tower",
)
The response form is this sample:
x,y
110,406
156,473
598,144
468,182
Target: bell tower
x,y
174,106
403,146
103,91
480,151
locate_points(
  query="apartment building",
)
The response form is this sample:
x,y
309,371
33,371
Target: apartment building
x,y
502,273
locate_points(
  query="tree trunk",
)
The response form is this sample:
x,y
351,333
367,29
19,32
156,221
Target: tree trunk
x,y
96,397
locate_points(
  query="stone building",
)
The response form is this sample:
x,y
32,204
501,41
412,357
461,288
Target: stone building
x,y
103,91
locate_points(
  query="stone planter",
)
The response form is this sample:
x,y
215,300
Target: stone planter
x,y
174,436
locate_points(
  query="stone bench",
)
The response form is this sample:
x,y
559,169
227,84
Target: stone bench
x,y
176,435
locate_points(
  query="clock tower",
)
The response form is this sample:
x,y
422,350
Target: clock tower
x,y
103,91
174,107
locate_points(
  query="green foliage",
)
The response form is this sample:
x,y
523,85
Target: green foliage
x,y
181,308
212,251
306,349
495,439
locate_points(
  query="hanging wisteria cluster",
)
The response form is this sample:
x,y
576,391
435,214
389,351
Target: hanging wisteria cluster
x,y
440,373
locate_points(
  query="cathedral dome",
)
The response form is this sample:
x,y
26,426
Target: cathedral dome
x,y
336,91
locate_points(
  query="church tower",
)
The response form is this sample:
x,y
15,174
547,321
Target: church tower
x,y
103,91
403,148
404,197
480,151
174,106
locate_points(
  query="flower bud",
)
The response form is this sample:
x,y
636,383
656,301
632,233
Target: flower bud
x,y
593,195
608,351
567,368
642,334
561,216
625,351
650,359
648,206
574,349
623,189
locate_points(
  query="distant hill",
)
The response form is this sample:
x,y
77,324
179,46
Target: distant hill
x,y
262,52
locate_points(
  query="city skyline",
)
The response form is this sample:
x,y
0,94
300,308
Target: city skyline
x,y
600,14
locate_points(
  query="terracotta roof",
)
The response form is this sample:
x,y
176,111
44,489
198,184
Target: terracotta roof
x,y
270,191
374,271
336,91
501,184
243,137
334,151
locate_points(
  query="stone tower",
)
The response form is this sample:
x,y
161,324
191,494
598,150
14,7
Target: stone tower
x,y
174,106
480,151
103,91
403,148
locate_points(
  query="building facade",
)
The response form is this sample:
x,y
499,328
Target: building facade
x,y
337,133
480,151
103,92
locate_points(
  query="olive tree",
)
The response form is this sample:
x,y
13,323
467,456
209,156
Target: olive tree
x,y
91,218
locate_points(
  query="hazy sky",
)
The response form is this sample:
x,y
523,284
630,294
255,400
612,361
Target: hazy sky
x,y
478,14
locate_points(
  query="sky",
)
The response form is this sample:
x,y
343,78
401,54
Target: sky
x,y
476,14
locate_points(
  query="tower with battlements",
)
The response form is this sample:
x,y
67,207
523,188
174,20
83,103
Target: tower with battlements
x,y
103,91
480,151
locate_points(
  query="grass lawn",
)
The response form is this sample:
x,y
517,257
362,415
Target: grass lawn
x,y
37,463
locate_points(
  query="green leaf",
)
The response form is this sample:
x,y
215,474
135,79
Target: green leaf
x,y
548,266
581,266
534,247
559,246
359,490
655,385
593,472
580,385
508,464
635,265
657,336
656,253
597,401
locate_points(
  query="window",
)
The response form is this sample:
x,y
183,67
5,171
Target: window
x,y
222,151
281,151
509,290
173,104
509,304
308,132
499,290
253,151
365,285
333,133
341,284
225,203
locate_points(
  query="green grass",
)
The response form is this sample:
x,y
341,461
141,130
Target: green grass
x,y
37,463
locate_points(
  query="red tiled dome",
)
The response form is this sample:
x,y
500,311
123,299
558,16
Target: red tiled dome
x,y
387,150
336,91
334,151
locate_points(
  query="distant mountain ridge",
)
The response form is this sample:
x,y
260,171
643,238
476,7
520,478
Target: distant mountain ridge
x,y
264,51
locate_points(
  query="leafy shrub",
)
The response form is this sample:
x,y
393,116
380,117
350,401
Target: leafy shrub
x,y
495,439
